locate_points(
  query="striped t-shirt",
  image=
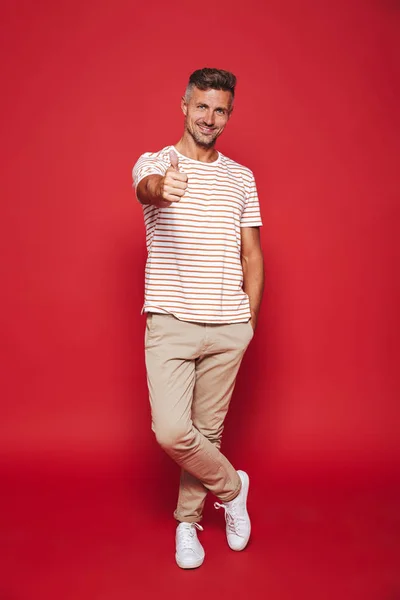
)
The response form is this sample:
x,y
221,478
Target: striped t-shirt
x,y
194,269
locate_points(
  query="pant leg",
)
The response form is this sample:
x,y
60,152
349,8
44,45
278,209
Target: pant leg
x,y
172,347
215,381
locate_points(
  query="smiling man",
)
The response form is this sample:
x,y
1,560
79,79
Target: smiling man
x,y
203,288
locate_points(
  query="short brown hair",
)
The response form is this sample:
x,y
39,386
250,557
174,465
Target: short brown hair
x,y
215,79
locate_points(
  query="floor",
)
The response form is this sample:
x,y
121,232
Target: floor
x,y
80,538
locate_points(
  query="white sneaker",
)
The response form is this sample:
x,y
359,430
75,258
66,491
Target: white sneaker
x,y
238,526
189,552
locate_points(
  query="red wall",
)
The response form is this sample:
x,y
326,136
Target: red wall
x,y
88,86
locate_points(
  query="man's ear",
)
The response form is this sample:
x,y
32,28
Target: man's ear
x,y
230,112
184,106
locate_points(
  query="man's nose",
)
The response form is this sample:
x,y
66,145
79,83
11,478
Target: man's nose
x,y
209,118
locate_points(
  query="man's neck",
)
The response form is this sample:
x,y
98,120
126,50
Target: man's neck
x,y
188,147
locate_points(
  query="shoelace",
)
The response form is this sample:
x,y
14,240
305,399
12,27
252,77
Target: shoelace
x,y
187,534
233,521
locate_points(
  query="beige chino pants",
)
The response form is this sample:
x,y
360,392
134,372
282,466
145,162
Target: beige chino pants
x,y
191,374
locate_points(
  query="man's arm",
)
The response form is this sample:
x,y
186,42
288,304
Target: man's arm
x,y
160,190
253,269
150,191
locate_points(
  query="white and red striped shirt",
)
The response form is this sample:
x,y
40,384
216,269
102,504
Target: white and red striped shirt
x,y
194,269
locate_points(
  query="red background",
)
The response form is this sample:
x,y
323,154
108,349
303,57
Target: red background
x,y
87,87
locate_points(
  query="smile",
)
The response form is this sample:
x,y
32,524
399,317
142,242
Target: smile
x,y
206,130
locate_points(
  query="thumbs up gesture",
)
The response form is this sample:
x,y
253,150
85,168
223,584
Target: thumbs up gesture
x,y
174,183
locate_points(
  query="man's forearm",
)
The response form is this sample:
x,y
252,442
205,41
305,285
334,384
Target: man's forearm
x,y
253,282
149,191
163,190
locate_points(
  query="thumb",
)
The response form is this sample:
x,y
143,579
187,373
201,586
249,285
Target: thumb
x,y
173,157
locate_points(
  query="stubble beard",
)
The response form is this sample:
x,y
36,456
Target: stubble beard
x,y
204,142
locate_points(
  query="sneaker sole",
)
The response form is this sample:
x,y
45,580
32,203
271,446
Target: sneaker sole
x,y
195,565
245,485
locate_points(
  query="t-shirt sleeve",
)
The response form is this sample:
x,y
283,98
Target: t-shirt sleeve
x,y
251,215
147,164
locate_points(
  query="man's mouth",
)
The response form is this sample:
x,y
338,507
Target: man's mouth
x,y
206,130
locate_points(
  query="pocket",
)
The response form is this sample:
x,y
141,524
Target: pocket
x,y
149,325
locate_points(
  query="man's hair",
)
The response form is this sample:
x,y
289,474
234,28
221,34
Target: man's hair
x,y
215,79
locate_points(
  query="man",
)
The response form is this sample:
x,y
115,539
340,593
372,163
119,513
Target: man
x,y
203,289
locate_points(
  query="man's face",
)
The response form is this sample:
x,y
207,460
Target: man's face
x,y
206,114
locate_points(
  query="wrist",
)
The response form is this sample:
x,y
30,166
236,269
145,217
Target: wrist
x,y
156,192
158,188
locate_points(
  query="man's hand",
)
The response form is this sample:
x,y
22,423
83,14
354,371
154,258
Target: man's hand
x,y
162,190
174,184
